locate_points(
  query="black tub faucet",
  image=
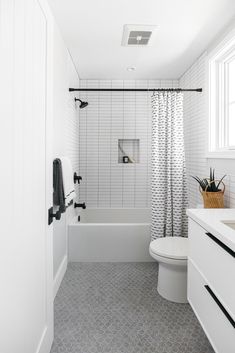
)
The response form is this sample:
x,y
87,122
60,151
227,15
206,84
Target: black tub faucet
x,y
76,178
82,205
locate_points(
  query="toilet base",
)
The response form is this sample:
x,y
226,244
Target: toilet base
x,y
172,282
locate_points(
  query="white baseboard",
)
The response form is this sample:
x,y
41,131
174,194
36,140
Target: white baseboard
x,y
60,275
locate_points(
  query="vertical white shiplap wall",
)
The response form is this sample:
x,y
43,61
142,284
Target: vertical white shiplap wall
x,y
196,136
111,116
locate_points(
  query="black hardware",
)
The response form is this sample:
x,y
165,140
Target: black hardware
x,y
225,247
52,215
79,218
76,178
82,104
136,90
125,159
230,319
82,205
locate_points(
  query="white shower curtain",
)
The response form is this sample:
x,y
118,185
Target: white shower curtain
x,y
169,189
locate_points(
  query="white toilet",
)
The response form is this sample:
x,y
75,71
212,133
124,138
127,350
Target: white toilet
x,y
171,253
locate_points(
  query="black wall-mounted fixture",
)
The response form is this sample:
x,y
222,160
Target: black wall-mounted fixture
x,y
82,104
52,215
125,159
82,205
76,178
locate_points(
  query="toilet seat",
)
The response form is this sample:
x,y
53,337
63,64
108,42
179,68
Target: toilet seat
x,y
175,248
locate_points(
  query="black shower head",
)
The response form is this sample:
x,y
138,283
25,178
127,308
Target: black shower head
x,y
82,104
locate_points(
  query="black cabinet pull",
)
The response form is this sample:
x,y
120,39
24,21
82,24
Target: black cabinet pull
x,y
212,294
225,247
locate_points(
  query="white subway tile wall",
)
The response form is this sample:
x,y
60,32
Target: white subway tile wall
x,y
196,137
111,116
195,129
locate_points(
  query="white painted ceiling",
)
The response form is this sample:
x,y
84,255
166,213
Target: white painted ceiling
x,y
92,30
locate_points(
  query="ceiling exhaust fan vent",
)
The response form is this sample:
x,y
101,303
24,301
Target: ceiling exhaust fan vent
x,y
137,35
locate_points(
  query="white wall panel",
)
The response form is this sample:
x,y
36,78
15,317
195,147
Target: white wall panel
x,y
26,321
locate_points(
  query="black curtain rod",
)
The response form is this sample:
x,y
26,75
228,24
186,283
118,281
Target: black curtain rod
x,y
136,89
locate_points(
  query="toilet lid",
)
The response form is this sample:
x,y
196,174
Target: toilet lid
x,y
172,247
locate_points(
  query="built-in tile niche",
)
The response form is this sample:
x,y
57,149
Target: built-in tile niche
x,y
128,151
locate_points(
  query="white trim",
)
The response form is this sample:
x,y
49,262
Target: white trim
x,y
60,275
228,41
220,155
42,346
217,114
48,334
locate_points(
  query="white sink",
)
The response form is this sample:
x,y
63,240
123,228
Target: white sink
x,y
230,224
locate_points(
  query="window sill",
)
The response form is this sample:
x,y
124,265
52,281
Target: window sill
x,y
221,155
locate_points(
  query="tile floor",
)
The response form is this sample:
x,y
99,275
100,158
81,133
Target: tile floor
x,y
115,308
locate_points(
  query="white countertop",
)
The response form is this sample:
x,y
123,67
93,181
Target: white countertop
x,y
211,220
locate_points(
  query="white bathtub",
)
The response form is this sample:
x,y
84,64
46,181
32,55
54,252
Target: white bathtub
x,y
110,235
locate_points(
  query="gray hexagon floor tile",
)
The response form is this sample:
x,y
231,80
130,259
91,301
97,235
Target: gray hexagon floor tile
x,y
115,308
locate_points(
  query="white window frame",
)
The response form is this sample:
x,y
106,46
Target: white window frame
x,y
217,68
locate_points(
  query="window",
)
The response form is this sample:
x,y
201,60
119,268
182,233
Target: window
x,y
222,97
230,104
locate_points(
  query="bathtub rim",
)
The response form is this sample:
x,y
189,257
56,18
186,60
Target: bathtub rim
x,y
74,221
79,224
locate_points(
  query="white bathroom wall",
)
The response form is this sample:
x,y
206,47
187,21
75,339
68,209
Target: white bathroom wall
x,y
196,134
65,141
111,116
195,128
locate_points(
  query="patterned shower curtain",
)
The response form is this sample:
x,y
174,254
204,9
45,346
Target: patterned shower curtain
x,y
169,189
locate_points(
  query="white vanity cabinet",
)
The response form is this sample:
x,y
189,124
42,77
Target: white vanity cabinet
x,y
211,278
